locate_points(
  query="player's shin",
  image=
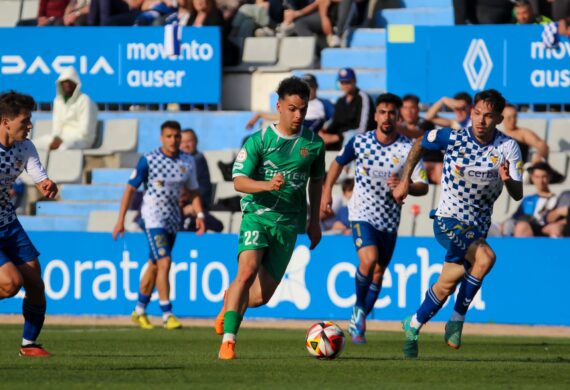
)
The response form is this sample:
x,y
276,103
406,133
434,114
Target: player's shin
x,y
467,291
429,308
371,297
34,316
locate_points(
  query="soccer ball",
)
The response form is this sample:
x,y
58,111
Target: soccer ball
x,y
325,340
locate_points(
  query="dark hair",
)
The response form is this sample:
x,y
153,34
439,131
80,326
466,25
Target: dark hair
x,y
293,86
522,3
347,184
411,97
191,131
465,97
389,98
493,98
171,125
13,103
541,166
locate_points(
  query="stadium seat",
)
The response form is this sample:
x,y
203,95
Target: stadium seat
x,y
53,224
213,157
110,176
92,192
119,135
260,51
294,53
416,16
236,222
538,125
558,135
427,3
105,220
41,127
559,162
374,58
73,208
65,166
368,37
10,11
224,189
369,80
225,218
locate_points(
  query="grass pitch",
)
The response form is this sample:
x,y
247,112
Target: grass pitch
x,y
121,357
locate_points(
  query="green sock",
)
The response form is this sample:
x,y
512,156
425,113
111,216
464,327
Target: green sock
x,y
232,321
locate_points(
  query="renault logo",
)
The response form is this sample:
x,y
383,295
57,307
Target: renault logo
x,y
477,53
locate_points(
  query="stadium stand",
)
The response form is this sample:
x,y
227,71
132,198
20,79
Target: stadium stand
x,y
105,220
65,166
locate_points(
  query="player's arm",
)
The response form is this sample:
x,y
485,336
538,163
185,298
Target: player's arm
x,y
138,177
346,155
432,113
510,172
38,173
419,181
403,188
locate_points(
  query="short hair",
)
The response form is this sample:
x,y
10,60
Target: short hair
x,y
191,131
13,103
347,184
465,97
510,105
171,125
389,98
493,98
522,3
411,97
293,86
541,166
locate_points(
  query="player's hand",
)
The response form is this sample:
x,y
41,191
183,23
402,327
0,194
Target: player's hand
x,y
276,182
314,233
326,205
393,181
119,229
400,192
504,171
200,226
47,188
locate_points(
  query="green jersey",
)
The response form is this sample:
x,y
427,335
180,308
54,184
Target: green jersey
x,y
298,158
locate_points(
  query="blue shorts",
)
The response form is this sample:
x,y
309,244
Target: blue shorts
x,y
160,243
15,245
456,237
364,234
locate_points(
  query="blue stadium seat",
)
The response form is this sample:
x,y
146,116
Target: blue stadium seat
x,y
50,223
368,37
427,3
368,80
94,192
354,58
83,209
416,16
110,176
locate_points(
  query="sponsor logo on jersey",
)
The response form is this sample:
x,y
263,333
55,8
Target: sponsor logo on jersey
x,y
432,135
133,174
519,166
459,170
242,155
423,174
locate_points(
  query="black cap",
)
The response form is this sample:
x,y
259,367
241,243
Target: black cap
x,y
310,79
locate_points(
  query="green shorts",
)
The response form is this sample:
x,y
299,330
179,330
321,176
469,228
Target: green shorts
x,y
278,242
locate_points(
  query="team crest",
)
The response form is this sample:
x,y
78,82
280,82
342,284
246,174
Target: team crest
x,y
304,152
494,159
470,235
395,160
159,183
358,242
183,169
19,163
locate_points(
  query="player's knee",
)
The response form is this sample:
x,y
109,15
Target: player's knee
x,y
485,260
12,286
443,290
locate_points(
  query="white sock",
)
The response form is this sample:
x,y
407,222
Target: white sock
x,y
457,317
140,310
27,342
414,323
229,337
165,314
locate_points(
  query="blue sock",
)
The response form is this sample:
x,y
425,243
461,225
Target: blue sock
x,y
166,308
429,307
362,286
371,297
34,316
142,303
467,291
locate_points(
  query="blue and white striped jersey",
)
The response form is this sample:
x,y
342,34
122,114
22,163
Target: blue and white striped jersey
x,y
470,182
164,179
372,199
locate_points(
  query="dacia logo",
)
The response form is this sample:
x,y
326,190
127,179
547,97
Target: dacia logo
x,y
15,64
477,53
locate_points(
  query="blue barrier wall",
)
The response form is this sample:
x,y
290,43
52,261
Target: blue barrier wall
x,y
440,61
116,65
89,273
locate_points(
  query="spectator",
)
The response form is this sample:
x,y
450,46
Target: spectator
x,y
524,14
74,116
189,144
352,112
413,126
114,12
250,17
561,11
526,138
493,11
537,215
318,113
50,13
157,14
461,106
76,13
320,22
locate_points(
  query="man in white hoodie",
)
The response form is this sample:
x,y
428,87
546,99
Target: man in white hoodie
x,y
74,116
